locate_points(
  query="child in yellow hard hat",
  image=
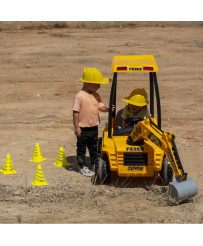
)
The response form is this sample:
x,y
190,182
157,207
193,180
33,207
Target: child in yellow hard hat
x,y
137,105
86,106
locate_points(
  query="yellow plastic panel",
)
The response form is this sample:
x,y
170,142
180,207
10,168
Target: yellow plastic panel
x,y
135,63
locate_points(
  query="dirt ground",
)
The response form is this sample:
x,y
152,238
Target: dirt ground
x,y
40,68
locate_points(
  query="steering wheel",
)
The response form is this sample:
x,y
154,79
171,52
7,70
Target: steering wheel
x,y
132,121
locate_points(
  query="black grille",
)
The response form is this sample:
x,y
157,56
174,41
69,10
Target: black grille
x,y
135,159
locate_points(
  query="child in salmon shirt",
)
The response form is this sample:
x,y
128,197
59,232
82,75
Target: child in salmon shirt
x,y
86,106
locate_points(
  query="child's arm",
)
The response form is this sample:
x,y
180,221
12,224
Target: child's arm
x,y
106,109
76,123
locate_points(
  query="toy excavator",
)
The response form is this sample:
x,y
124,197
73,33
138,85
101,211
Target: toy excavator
x,y
142,149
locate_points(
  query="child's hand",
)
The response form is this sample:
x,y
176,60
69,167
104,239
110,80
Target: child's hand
x,y
124,124
78,131
113,108
106,109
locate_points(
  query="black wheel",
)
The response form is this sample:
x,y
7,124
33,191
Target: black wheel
x,y
102,172
166,173
99,146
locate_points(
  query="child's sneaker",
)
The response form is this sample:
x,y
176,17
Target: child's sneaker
x,y
86,172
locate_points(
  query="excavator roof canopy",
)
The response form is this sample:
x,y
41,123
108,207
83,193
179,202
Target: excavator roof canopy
x,y
135,63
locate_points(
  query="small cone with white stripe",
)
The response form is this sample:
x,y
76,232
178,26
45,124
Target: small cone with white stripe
x,y
39,179
37,157
61,160
8,166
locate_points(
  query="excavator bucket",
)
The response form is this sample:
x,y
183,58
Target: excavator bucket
x,y
183,190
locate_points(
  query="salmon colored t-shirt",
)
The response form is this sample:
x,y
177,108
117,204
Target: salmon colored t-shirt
x,y
88,107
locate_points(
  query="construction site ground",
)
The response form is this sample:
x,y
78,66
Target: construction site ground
x,y
40,71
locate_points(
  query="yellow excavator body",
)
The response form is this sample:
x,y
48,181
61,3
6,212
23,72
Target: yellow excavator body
x,y
146,160
143,149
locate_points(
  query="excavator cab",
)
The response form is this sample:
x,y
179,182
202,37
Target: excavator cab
x,y
134,64
142,149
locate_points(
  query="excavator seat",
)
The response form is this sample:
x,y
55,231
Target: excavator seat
x,y
119,130
122,131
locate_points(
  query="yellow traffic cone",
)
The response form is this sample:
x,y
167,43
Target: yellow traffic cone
x,y
39,179
8,166
61,160
37,154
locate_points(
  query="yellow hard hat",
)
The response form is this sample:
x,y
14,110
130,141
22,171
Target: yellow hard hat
x,y
93,75
137,97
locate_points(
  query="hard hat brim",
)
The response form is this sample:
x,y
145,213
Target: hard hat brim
x,y
131,102
105,81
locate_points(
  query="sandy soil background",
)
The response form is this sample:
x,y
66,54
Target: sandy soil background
x,y
40,68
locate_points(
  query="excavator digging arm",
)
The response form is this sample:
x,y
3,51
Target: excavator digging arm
x,y
147,130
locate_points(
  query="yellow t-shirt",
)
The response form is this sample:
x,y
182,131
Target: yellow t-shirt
x,y
144,113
